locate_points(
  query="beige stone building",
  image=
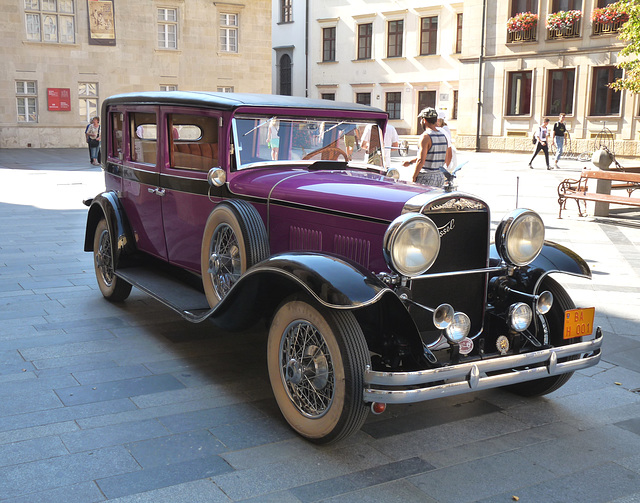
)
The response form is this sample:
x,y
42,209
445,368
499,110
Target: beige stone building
x,y
397,55
62,58
538,72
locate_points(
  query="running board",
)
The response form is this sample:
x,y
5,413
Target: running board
x,y
169,290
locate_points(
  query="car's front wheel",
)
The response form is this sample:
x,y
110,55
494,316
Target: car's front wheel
x,y
316,359
112,287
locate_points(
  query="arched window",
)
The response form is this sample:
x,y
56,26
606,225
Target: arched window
x,y
285,75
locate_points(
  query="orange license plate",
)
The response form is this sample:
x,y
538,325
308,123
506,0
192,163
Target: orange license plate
x,y
578,322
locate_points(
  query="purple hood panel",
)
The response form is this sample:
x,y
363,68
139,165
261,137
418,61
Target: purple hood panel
x,y
353,192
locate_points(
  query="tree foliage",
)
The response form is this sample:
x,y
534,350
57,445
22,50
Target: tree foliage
x,y
630,32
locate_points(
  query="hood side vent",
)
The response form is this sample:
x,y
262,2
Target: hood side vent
x,y
304,239
357,250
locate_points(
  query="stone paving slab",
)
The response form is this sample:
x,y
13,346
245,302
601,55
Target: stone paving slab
x,y
127,402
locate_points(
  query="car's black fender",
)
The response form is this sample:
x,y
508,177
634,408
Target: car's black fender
x,y
107,205
553,258
332,282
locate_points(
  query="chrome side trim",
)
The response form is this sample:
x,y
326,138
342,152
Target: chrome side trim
x,y
473,376
483,270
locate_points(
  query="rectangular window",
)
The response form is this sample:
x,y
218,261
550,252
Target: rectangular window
x,y
518,6
225,89
328,96
229,32
565,5
560,92
519,93
394,39
144,135
393,105
27,100
363,98
365,39
51,21
286,11
428,35
459,34
168,28
329,44
194,141
168,87
88,100
604,100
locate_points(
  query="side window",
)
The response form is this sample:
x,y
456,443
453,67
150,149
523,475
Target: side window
x,y
193,142
117,145
143,134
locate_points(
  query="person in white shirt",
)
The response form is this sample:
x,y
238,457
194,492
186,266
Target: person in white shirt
x,y
391,141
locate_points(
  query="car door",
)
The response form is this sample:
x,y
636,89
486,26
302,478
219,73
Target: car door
x,y
141,191
192,140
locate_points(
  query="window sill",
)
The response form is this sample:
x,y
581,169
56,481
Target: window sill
x,y
327,62
368,60
163,50
395,58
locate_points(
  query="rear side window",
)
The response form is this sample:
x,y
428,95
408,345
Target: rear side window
x,y
144,135
193,142
116,134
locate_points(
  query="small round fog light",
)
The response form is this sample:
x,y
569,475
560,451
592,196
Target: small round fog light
x,y
520,316
459,329
544,302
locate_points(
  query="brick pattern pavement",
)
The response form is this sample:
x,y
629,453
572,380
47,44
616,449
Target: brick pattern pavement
x,y
127,402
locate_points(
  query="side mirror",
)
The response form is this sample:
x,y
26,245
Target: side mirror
x,y
217,177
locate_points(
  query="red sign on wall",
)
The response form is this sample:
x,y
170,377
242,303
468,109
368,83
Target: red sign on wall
x,y
59,99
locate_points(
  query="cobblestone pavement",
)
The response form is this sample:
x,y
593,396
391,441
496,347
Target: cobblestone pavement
x,y
127,402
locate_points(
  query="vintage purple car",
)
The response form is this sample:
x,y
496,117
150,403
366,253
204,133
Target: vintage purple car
x,y
239,207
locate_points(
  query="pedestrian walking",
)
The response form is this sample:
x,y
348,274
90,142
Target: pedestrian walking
x,y
541,136
434,151
92,134
391,141
557,136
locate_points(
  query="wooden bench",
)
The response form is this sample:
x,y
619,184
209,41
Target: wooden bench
x,y
579,190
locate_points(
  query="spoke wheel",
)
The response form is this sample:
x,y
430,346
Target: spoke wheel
x,y
234,240
112,287
316,360
554,320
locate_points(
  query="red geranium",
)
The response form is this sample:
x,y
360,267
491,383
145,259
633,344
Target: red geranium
x,y
522,22
609,15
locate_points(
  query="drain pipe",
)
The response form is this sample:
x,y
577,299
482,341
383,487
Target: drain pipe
x,y
306,50
480,63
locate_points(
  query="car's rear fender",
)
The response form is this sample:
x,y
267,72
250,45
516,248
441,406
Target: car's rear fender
x,y
107,205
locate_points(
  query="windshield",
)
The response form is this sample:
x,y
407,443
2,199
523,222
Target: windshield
x,y
281,139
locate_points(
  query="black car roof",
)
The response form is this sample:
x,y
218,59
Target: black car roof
x,y
231,101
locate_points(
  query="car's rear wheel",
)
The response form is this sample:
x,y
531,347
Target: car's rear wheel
x,y
234,239
112,287
555,323
316,359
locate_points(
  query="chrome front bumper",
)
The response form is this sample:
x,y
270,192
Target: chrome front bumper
x,y
409,387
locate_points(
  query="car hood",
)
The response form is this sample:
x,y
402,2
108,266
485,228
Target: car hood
x,y
346,191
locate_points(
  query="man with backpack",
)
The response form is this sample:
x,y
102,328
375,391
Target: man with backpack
x,y
540,138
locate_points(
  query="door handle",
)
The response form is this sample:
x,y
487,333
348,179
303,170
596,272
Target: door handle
x,y
157,191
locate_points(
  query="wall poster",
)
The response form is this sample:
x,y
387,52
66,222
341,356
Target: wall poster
x,y
58,99
102,23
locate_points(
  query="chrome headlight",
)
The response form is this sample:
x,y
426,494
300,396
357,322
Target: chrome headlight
x,y
520,316
411,244
519,237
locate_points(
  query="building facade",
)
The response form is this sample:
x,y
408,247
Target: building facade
x,y
397,55
61,58
528,61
